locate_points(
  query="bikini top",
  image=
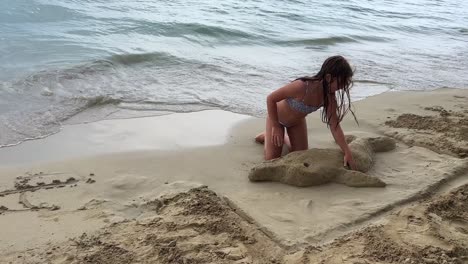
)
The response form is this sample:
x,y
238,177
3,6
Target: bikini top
x,y
300,106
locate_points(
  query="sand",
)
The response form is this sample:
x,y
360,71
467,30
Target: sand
x,y
320,166
431,231
106,178
195,226
198,226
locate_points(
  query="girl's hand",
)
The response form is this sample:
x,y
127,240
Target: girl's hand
x,y
277,135
348,160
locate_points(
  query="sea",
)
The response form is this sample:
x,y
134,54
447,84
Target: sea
x,y
77,61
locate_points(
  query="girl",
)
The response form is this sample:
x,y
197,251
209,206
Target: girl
x,y
288,106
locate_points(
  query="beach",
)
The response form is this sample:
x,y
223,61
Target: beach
x,y
174,189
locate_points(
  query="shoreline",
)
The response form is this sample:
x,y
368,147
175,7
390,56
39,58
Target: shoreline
x,y
126,114
141,133
131,163
77,120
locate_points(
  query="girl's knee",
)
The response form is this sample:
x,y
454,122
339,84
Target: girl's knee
x,y
270,154
271,157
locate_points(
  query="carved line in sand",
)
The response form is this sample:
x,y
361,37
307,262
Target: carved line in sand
x,y
25,202
320,166
23,185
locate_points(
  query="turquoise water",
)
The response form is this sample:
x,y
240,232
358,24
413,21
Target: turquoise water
x,y
62,57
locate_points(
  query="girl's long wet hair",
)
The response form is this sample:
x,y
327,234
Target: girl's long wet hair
x,y
340,70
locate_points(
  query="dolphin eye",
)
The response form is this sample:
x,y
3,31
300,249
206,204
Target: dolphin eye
x,y
306,164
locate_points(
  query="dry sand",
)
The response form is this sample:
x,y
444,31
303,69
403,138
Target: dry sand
x,y
431,231
106,179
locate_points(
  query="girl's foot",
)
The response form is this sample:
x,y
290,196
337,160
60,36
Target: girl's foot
x,y
260,138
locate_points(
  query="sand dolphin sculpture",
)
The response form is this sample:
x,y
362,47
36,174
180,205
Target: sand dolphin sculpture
x,y
320,166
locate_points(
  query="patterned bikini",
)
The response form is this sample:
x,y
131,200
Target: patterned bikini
x,y
300,106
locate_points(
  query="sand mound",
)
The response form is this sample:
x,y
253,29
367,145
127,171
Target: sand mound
x,y
321,166
191,227
452,207
446,132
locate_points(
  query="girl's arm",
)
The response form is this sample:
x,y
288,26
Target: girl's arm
x,y
338,134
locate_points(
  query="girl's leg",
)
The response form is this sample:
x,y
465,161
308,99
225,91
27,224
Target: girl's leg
x,y
271,151
298,136
287,141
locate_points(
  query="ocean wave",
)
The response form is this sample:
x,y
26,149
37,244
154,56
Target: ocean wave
x,y
180,107
97,101
130,59
326,41
333,40
18,12
100,67
371,38
43,120
184,30
57,75
371,82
